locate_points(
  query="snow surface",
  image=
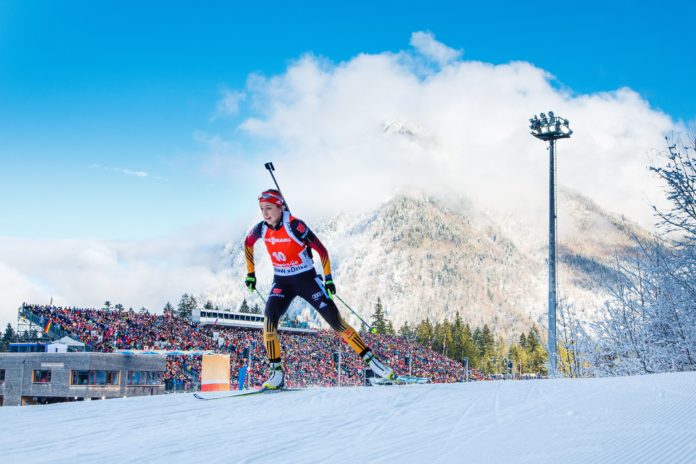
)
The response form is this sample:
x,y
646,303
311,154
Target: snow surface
x,y
649,419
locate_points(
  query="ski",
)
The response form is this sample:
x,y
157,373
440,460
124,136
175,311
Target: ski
x,y
245,393
400,380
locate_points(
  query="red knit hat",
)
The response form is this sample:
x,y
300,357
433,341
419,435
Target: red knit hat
x,y
272,196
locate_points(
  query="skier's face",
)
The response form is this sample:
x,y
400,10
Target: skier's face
x,y
271,212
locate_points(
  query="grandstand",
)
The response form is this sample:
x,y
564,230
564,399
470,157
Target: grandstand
x,y
307,354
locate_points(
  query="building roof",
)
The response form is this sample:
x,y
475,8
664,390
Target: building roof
x,y
68,341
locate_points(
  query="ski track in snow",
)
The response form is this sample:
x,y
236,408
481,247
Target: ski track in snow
x,y
645,419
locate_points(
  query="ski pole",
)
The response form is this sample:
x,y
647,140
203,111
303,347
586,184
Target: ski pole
x,y
352,311
270,168
260,296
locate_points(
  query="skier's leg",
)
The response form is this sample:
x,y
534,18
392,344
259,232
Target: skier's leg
x,y
312,290
278,301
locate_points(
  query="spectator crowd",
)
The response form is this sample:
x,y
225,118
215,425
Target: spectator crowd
x,y
308,357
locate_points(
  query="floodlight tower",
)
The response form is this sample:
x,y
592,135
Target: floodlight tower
x,y
549,129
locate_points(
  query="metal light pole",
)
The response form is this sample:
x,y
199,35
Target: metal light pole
x,y
549,129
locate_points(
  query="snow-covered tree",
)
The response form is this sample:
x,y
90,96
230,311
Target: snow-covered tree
x,y
650,325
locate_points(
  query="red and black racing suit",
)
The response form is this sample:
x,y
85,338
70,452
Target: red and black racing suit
x,y
288,244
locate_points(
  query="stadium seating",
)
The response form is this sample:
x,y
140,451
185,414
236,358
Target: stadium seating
x,y
308,357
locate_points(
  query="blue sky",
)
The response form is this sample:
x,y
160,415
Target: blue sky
x,y
91,94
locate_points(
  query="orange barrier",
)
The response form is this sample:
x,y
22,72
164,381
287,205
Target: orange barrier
x,y
215,373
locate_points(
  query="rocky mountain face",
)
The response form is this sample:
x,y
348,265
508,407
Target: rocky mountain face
x,y
426,258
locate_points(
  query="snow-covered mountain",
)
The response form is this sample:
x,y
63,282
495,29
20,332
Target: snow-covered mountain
x,y
425,257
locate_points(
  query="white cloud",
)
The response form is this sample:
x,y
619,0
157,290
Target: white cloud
x,y
352,134
85,273
430,48
230,102
128,172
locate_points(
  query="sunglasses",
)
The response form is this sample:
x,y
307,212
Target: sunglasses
x,y
270,196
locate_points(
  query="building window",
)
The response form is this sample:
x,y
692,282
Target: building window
x,y
142,378
154,378
99,378
80,378
41,376
2,375
112,378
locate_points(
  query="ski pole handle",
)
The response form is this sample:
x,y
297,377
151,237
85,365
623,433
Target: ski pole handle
x,y
271,168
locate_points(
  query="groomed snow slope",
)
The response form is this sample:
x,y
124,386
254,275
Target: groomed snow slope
x,y
649,419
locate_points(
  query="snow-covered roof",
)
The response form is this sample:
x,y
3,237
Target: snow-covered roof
x,y
68,341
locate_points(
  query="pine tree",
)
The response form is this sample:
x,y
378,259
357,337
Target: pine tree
x,y
119,307
379,324
443,338
7,338
256,309
244,307
208,305
107,304
523,341
532,339
9,334
186,305
469,349
536,352
407,332
485,343
425,333
500,356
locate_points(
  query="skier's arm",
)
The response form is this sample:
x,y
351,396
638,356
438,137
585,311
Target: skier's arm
x,y
251,238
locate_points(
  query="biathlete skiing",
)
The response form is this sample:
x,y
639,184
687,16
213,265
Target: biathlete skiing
x,y
288,240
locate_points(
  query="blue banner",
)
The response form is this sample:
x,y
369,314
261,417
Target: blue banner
x,y
242,377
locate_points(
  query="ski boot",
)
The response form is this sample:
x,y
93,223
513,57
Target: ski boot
x,y
382,371
277,379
